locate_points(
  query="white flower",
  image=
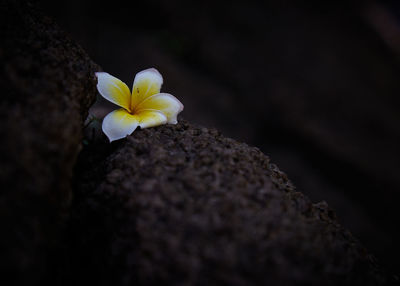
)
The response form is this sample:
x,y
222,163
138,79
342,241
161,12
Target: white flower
x,y
144,107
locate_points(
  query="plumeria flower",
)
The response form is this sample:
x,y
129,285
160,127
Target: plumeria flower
x,y
144,107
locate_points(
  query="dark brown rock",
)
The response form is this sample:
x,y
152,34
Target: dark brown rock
x,y
316,87
47,84
183,205
169,205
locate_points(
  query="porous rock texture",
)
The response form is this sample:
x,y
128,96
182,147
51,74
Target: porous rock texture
x,y
172,205
316,87
183,205
47,85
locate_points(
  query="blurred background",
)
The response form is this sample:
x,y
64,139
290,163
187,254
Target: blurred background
x,y
315,86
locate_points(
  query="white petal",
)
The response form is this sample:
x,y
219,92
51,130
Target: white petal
x,y
150,118
166,103
114,90
119,123
147,83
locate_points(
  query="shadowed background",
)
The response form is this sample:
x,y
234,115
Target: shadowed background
x,y
314,86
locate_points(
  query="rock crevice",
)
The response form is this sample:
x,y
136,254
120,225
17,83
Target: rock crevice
x,y
175,204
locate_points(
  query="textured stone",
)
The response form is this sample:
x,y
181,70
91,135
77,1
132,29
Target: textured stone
x,y
169,205
183,205
47,85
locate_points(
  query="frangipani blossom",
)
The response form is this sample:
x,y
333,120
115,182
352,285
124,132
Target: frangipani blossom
x,y
144,107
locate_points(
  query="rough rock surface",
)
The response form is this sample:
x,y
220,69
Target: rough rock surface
x,y
169,205
316,85
47,84
183,205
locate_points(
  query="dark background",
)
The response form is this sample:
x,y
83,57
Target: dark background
x,y
315,86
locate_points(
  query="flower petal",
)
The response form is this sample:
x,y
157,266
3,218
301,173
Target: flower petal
x,y
166,103
119,123
113,90
150,118
146,84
